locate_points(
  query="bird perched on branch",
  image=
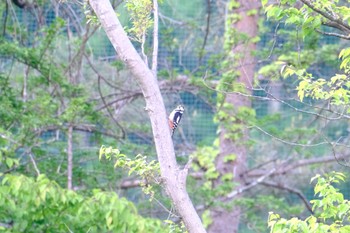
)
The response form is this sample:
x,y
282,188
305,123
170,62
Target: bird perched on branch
x,y
175,118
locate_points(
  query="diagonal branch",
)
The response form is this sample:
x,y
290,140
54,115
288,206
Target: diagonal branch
x,y
249,186
34,163
292,190
207,27
345,37
344,27
292,166
108,110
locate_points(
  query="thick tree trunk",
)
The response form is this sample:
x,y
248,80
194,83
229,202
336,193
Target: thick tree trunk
x,y
173,177
227,221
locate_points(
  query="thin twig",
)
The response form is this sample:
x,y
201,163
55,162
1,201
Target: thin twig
x,y
34,163
8,138
108,110
274,41
292,190
155,38
292,166
173,21
346,37
270,97
92,66
333,151
201,54
143,41
249,186
171,213
287,142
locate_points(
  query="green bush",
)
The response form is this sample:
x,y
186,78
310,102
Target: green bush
x,y
332,211
41,205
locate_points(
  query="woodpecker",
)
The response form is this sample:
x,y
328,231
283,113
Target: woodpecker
x,y
175,118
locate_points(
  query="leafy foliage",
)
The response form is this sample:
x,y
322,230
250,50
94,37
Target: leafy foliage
x,y
37,107
53,101
140,13
310,18
332,210
148,171
40,205
208,191
206,157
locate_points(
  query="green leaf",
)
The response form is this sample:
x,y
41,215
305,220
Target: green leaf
x,y
287,71
344,53
101,152
264,2
230,158
206,218
301,89
9,162
109,219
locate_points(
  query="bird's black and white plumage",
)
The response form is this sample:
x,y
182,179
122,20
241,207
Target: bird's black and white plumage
x,y
175,118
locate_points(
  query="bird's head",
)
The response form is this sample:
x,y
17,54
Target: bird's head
x,y
180,108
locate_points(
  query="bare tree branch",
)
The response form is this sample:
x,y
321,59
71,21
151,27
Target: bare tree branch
x,y
270,97
333,151
346,37
155,38
172,21
289,142
292,190
207,27
34,163
293,165
249,186
126,184
179,84
109,112
143,41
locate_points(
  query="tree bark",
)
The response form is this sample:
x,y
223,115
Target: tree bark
x,y
227,220
174,178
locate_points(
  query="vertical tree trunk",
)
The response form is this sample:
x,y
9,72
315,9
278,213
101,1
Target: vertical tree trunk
x,y
70,158
227,221
174,178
